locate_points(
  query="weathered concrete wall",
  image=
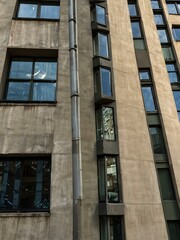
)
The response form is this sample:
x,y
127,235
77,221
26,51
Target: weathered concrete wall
x,y
144,216
39,128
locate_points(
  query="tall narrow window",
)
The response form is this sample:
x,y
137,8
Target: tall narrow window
x,y
176,32
148,99
177,101
25,184
108,179
100,15
174,229
101,45
157,140
136,29
105,124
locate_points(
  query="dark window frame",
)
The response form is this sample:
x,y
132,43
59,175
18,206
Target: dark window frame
x,y
25,178
39,3
32,81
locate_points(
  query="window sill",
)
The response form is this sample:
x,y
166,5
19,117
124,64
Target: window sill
x,y
36,19
20,214
7,103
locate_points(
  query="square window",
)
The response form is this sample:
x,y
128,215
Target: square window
x,y
172,8
144,75
158,18
32,79
42,9
25,184
172,72
155,4
167,53
132,9
162,35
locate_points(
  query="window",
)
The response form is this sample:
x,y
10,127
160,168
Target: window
x,y
111,228
39,9
144,75
105,123
132,9
31,80
25,183
174,229
155,4
157,140
177,101
100,15
158,18
148,98
136,29
166,184
108,179
176,33
172,72
104,86
162,35
173,8
168,53
101,45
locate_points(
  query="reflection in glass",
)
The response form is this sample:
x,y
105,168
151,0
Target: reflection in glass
x,y
112,180
27,10
105,124
49,12
176,33
155,4
139,44
162,35
177,99
157,140
25,185
171,8
44,91
106,82
144,75
166,185
136,29
20,70
132,9
100,15
172,72
45,70
115,228
167,53
103,45
18,91
148,99
158,18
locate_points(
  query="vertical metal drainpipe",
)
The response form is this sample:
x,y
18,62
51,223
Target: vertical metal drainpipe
x,y
75,119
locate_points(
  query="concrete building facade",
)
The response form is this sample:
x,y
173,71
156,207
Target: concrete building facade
x,y
89,120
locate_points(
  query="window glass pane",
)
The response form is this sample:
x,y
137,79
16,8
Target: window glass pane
x,y
144,75
168,53
108,123
136,29
25,185
157,140
166,184
132,9
102,180
170,67
44,91
99,124
171,8
49,12
155,4
178,7
112,179
174,229
176,33
20,70
173,75
139,44
103,45
104,228
45,70
148,99
106,82
158,18
18,91
100,15
27,10
162,35
177,99
115,228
